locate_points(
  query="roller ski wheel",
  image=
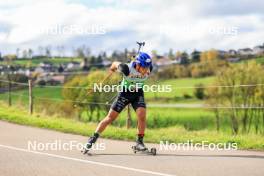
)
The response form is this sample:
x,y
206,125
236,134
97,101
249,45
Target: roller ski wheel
x,y
152,151
86,149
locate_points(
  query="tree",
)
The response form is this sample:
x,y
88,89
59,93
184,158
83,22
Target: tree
x,y
30,53
178,54
92,61
60,69
154,53
195,55
214,100
210,56
9,58
61,50
40,49
87,100
99,60
48,51
17,52
235,97
209,64
80,52
25,54
184,58
87,52
171,55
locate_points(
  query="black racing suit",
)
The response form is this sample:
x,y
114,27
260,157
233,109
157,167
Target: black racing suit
x,y
125,97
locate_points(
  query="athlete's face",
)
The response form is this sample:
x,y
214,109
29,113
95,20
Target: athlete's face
x,y
142,70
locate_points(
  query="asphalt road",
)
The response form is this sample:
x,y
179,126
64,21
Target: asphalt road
x,y
32,151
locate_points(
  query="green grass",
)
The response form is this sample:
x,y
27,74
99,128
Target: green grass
x,y
38,92
189,119
47,92
175,96
260,60
36,62
177,92
174,134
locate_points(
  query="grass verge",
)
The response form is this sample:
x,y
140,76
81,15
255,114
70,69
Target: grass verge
x,y
176,134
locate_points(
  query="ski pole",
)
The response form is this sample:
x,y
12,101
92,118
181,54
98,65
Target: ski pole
x,y
105,78
140,44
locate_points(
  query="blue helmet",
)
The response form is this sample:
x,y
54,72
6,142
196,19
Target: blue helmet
x,y
143,59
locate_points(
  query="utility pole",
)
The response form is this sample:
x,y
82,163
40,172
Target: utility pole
x,y
30,98
128,120
9,86
9,90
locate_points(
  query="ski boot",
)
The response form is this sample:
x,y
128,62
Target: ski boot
x,y
140,147
89,144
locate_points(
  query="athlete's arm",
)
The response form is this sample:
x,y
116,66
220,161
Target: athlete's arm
x,y
123,68
114,66
151,68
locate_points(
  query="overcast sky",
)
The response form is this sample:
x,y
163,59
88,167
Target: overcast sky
x,y
107,25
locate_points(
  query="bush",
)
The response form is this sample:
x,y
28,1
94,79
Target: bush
x,y
186,96
204,69
93,99
174,71
231,95
199,91
41,83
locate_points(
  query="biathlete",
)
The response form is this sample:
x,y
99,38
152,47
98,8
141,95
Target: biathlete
x,y
134,74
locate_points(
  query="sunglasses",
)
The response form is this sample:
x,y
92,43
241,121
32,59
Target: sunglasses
x,y
142,70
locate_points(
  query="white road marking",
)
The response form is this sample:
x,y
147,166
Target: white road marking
x,y
87,161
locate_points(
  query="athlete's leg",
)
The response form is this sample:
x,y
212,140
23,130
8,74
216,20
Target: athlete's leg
x,y
141,116
119,104
111,116
140,108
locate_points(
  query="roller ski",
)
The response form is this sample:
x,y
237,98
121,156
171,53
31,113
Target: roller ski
x,y
140,148
88,146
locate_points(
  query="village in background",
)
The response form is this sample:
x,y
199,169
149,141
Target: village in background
x,y
48,68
